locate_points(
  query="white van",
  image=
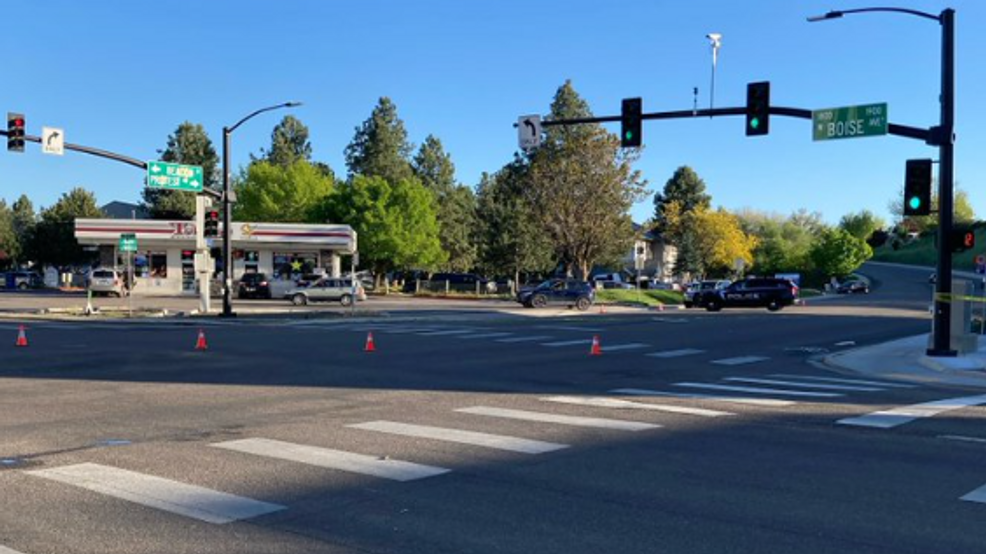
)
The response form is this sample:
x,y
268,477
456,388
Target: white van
x,y
611,281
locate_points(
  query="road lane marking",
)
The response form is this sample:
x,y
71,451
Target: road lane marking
x,y
408,330
576,421
564,328
675,353
740,360
183,499
525,339
627,346
499,442
567,343
962,438
754,390
885,419
822,386
483,336
445,332
718,398
846,381
616,403
386,468
978,495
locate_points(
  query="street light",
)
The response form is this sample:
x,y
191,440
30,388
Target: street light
x,y
227,250
942,136
715,41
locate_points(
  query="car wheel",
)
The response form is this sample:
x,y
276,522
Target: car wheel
x,y
774,306
21,286
713,306
539,301
582,304
299,300
346,300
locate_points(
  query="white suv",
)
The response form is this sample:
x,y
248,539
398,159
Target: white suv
x,y
104,280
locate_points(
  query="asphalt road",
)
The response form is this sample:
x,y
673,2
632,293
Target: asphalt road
x,y
311,433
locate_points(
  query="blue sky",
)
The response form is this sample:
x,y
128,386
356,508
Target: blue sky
x,y
122,75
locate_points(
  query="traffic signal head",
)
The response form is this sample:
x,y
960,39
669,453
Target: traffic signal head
x,y
211,229
962,239
631,123
917,188
757,109
15,132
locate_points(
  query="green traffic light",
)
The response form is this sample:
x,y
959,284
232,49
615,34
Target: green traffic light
x,y
629,135
755,122
914,202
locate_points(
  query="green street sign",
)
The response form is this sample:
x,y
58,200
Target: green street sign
x,y
128,242
850,122
164,175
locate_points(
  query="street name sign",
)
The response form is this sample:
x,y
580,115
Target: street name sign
x,y
164,175
867,120
128,242
53,141
529,131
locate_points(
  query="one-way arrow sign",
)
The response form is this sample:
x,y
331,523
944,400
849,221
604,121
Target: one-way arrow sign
x,y
529,131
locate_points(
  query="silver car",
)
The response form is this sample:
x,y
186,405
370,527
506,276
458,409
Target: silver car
x,y
326,289
105,281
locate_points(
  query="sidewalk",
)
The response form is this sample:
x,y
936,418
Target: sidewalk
x,y
905,359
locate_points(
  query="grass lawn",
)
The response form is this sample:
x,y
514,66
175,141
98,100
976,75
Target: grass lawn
x,y
924,251
641,297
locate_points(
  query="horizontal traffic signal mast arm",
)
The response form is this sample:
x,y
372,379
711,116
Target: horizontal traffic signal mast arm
x,y
926,135
92,151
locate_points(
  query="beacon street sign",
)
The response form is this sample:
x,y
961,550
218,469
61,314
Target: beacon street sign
x,y
164,175
850,122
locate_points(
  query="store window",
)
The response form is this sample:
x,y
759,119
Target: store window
x,y
251,261
291,266
152,265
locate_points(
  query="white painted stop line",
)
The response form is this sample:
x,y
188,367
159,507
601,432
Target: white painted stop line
x,y
560,419
713,397
183,499
617,403
375,466
846,381
821,386
487,440
755,390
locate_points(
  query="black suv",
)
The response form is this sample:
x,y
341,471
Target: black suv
x,y
254,285
769,293
569,292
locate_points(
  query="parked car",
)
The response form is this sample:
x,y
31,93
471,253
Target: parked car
x,y
307,279
254,285
770,293
569,292
612,281
105,280
853,287
326,289
696,289
23,280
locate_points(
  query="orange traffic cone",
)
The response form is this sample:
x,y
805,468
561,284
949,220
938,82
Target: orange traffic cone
x,y
200,343
370,347
596,350
21,337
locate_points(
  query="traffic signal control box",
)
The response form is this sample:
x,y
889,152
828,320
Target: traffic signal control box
x,y
631,123
917,188
15,132
757,109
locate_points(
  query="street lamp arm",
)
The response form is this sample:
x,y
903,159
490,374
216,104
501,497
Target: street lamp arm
x,y
260,111
835,14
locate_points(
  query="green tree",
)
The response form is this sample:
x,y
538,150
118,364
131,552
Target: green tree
x,y
53,240
9,245
380,147
288,143
188,145
582,187
861,224
720,240
274,193
24,220
507,233
687,190
783,243
837,253
396,224
456,204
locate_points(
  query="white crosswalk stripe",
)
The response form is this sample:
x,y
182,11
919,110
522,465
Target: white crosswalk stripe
x,y
567,343
754,390
577,421
821,386
617,403
487,440
978,495
5,550
524,339
386,468
675,353
445,332
712,397
163,494
846,381
886,419
627,346
740,360
483,336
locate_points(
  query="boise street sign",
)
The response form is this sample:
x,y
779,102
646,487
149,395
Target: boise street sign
x,y
164,175
851,122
